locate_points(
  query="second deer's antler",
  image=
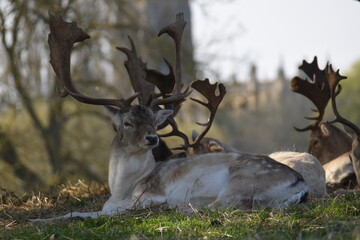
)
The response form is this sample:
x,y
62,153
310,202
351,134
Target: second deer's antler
x,y
208,90
317,90
324,86
333,79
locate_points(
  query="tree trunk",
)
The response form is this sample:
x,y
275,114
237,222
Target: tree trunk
x,y
8,154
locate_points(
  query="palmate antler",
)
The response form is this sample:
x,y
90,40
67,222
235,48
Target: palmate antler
x,y
324,86
170,85
61,39
165,82
166,86
64,35
136,69
317,90
208,90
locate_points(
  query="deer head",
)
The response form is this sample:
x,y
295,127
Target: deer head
x,y
136,125
208,145
326,141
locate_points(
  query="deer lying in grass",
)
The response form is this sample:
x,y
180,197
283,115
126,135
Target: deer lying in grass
x,y
306,164
337,151
135,180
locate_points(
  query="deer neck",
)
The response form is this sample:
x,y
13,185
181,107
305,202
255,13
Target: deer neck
x,y
127,169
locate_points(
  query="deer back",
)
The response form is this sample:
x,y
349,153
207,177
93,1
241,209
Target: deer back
x,y
307,165
223,179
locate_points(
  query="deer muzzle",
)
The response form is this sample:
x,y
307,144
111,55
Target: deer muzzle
x,y
152,140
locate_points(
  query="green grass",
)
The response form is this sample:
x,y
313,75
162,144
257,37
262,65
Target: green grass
x,y
333,218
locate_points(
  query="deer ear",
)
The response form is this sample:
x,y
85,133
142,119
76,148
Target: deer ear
x,y
162,115
215,147
325,130
194,135
350,132
114,115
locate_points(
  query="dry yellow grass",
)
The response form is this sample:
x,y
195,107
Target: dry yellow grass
x,y
78,196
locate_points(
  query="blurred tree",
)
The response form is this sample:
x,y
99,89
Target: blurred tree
x,y
21,171
349,98
26,74
23,71
42,133
24,51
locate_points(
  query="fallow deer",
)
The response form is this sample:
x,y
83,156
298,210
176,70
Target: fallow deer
x,y
304,163
327,142
338,151
135,180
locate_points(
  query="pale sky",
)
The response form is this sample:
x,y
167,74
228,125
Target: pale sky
x,y
232,34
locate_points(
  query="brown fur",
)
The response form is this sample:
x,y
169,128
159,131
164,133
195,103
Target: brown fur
x,y
328,142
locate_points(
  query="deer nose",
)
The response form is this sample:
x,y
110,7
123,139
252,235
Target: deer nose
x,y
152,139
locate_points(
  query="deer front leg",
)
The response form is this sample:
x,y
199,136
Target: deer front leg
x,y
355,150
355,159
114,206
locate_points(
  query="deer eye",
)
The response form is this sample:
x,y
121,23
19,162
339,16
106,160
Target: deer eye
x,y
127,124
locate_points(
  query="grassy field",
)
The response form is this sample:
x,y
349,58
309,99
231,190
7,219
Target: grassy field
x,y
337,217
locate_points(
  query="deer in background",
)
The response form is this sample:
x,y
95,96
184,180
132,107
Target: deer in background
x,y
339,152
135,180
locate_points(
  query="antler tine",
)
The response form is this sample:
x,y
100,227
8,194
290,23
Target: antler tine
x,y
172,99
208,90
175,31
136,69
316,91
63,35
333,79
170,85
165,83
176,132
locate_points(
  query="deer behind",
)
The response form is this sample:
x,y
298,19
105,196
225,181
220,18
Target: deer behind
x,y
328,142
336,150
